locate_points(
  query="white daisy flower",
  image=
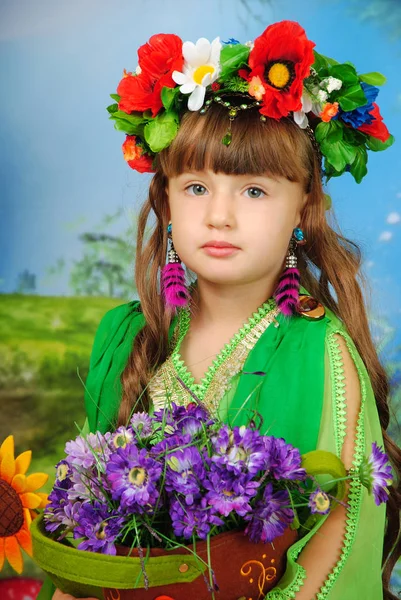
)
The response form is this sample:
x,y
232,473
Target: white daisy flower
x,y
201,68
300,117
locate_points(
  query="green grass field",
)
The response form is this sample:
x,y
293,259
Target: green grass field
x,y
43,341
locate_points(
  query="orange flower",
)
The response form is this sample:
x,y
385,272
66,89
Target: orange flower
x,y
135,155
329,111
18,500
256,88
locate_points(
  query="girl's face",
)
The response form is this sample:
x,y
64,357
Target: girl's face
x,y
257,214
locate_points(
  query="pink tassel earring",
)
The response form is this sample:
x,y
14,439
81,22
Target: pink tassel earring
x,y
173,288
287,292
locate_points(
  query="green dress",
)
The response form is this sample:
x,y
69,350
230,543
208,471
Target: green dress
x,y
290,371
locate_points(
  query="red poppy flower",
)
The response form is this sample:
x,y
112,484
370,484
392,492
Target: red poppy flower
x,y
158,58
377,129
136,157
281,58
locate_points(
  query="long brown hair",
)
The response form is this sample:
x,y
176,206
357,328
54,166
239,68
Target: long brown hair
x,y
328,262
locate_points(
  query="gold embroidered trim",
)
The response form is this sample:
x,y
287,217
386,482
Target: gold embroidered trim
x,y
164,385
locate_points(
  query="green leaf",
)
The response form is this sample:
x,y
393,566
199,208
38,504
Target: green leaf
x,y
358,168
112,108
321,64
376,145
232,58
352,97
132,124
373,78
331,131
331,61
322,462
115,97
339,154
168,96
346,73
160,132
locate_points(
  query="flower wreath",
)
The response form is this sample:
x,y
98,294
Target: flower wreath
x,y
280,72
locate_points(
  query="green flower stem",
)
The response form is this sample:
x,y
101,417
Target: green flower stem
x,y
209,563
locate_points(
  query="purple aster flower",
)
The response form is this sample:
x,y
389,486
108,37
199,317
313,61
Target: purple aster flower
x,y
376,474
133,476
170,442
100,527
54,510
192,520
319,502
121,437
87,485
184,471
85,452
361,115
228,492
141,423
283,460
239,449
270,517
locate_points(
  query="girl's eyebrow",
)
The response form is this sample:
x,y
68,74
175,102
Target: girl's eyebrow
x,y
242,175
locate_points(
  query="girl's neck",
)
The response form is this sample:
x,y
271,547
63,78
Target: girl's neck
x,y
213,304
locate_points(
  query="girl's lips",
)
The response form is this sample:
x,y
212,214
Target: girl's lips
x,y
214,251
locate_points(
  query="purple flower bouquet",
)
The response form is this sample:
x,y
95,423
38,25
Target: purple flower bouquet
x,y
198,505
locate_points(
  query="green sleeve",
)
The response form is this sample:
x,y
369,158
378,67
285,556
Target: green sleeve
x,y
357,574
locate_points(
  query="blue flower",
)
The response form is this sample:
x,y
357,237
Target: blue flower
x,y
230,41
270,517
361,115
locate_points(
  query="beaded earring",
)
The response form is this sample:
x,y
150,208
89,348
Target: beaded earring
x,y
287,292
173,288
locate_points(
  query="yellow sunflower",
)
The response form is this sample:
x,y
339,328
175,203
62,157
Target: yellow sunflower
x,y
18,501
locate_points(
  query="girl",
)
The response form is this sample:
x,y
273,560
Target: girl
x,y
274,311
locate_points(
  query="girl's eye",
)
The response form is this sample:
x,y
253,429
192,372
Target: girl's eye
x,y
197,189
255,192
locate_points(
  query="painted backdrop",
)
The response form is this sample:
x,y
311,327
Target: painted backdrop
x,y
69,202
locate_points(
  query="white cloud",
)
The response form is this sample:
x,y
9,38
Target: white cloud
x,y
370,264
393,218
398,195
385,236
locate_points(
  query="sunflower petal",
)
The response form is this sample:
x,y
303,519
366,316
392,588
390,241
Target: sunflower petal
x,y
19,483
30,500
25,541
44,499
7,446
23,461
36,481
7,468
13,553
27,518
1,552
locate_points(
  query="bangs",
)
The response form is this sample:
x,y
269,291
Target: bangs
x,y
271,147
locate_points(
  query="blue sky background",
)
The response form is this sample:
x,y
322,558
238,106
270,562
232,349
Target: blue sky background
x,y
61,166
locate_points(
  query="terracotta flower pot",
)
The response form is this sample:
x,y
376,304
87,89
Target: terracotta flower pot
x,y
242,569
